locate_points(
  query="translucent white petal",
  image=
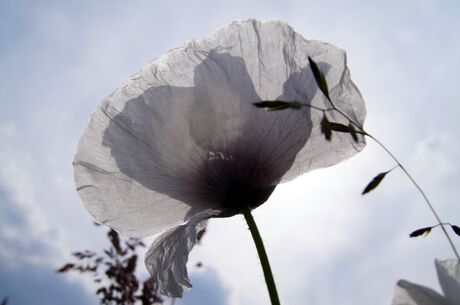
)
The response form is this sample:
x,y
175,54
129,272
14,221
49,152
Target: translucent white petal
x,y
318,152
167,257
449,279
276,59
407,293
147,156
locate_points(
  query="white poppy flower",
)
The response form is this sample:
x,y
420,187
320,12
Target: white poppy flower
x,y
180,141
448,271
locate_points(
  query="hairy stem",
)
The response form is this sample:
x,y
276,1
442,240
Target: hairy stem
x,y
263,257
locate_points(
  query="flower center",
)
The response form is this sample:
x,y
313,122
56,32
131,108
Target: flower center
x,y
240,196
237,183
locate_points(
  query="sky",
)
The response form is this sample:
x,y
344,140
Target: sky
x,y
327,243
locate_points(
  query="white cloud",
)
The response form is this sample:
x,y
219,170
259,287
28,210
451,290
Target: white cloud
x,y
8,130
28,235
30,239
437,156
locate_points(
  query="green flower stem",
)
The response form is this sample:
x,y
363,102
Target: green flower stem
x,y
263,257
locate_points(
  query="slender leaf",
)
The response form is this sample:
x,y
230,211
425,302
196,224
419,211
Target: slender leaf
x,y
109,253
374,183
66,268
278,105
422,231
319,77
131,264
326,128
339,127
333,126
115,240
456,229
353,133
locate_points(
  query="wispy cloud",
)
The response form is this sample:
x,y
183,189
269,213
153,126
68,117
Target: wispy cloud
x,y
30,245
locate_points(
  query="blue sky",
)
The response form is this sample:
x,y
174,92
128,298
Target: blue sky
x,y
59,59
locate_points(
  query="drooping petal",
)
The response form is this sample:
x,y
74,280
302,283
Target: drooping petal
x,y
407,293
449,279
167,257
182,133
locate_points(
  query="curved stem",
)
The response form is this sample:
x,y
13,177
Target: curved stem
x,y
263,257
405,172
440,222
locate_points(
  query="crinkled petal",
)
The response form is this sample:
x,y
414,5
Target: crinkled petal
x,y
276,59
449,278
167,257
407,293
165,145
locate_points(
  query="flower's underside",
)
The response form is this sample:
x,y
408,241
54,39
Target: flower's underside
x,y
181,140
448,271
